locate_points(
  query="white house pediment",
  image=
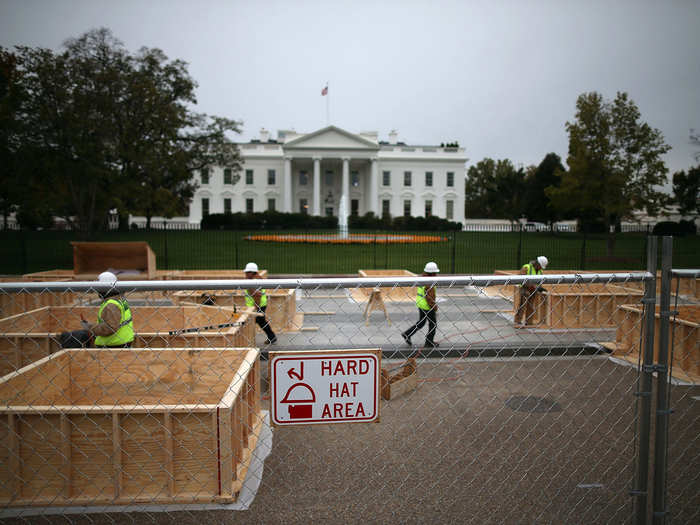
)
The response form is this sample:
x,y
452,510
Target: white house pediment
x,y
331,138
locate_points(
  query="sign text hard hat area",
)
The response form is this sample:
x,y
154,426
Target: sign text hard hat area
x,y
325,387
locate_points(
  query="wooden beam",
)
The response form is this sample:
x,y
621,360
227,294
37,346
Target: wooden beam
x,y
117,456
66,453
169,452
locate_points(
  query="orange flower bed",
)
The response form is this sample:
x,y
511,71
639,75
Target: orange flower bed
x,y
353,238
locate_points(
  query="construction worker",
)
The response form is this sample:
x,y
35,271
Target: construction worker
x,y
427,309
529,291
115,325
257,298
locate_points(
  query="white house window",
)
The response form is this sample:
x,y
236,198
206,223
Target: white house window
x,y
355,179
227,205
385,207
450,209
450,179
386,178
205,175
428,208
249,205
271,177
205,207
303,178
270,204
406,208
354,207
227,176
428,178
329,211
406,178
329,178
304,206
249,177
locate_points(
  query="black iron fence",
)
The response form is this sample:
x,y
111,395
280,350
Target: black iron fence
x,y
323,253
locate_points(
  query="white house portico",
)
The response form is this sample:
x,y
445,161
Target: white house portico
x,y
310,173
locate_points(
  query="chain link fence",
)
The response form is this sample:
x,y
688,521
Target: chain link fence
x,y
543,420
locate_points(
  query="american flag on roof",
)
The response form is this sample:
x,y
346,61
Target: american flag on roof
x,y
324,91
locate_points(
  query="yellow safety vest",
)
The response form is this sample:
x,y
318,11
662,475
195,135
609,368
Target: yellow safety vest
x,y
531,270
421,301
250,300
125,332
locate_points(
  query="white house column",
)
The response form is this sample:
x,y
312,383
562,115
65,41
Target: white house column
x,y
288,184
373,188
345,188
317,186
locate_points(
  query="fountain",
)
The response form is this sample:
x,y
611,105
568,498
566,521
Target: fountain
x,y
343,218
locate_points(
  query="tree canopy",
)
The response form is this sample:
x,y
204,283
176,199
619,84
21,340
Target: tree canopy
x,y
105,128
494,189
615,164
686,191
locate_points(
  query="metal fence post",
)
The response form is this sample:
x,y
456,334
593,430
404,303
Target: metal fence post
x,y
454,251
583,253
519,261
662,382
644,393
165,243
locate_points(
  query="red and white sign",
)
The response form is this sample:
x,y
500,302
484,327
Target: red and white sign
x,y
325,386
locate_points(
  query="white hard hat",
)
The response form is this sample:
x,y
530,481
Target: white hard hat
x,y
251,267
542,261
431,267
107,277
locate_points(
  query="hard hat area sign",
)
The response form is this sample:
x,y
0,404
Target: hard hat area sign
x,y
324,387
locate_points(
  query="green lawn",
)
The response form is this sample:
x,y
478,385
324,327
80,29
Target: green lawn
x,y
463,252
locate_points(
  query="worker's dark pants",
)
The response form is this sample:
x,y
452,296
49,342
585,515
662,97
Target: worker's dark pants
x,y
423,316
264,324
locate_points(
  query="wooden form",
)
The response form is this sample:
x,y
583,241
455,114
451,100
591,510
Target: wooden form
x,y
688,286
281,305
375,302
180,275
578,305
160,426
686,338
405,380
18,302
133,258
394,294
27,337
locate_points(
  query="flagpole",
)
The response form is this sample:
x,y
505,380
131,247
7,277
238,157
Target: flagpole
x,y
328,105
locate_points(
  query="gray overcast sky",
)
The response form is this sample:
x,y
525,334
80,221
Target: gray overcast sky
x,y
500,77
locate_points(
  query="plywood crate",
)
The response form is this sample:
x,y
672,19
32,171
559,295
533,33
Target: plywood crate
x,y
27,337
686,338
579,305
49,276
135,259
210,274
394,294
121,426
688,286
281,305
12,303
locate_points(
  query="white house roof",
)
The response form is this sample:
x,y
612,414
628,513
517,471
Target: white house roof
x,y
331,137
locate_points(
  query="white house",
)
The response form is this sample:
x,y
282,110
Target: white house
x,y
310,173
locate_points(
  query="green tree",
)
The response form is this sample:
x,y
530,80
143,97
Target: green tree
x,y
686,191
537,203
480,189
494,190
112,129
11,124
615,164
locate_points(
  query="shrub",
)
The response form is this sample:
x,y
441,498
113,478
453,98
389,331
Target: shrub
x,y
674,228
268,220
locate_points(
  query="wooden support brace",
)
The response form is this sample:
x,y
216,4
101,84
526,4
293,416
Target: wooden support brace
x,y
375,302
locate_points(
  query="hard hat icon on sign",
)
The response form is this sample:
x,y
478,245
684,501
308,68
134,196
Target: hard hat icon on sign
x,y
300,398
